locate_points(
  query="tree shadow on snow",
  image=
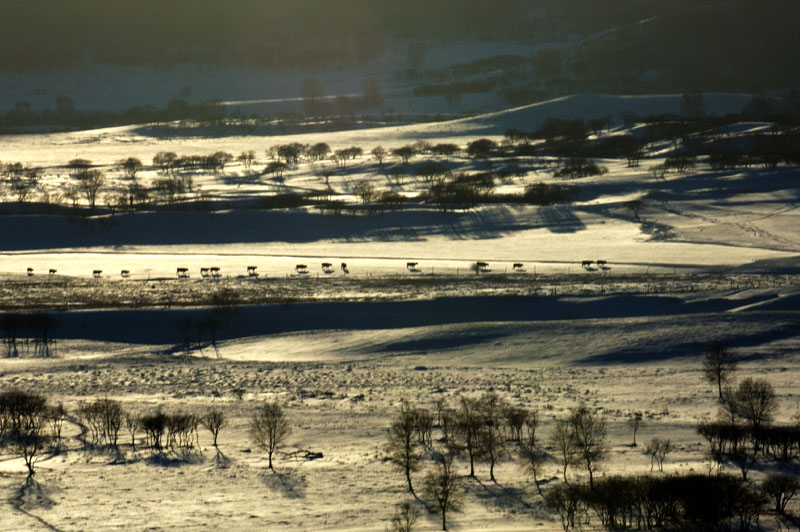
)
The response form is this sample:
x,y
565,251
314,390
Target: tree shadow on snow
x,y
221,461
291,483
32,496
499,496
561,220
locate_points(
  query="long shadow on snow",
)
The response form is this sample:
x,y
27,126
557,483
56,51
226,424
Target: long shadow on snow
x,y
157,326
255,226
646,352
438,343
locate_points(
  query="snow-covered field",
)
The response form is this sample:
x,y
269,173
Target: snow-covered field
x,y
711,257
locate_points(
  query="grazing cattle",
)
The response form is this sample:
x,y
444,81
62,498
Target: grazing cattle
x,y
301,268
327,267
97,273
52,271
601,264
482,265
183,273
204,272
517,266
587,264
344,267
30,272
251,271
215,273
411,265
125,274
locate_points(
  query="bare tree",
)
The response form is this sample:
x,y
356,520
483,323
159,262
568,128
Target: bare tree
x,y
214,421
247,158
635,206
635,422
491,411
402,446
25,423
404,518
77,166
404,152
379,153
468,430
588,438
755,401
561,441
658,449
781,488
442,488
166,160
269,428
130,166
56,415
532,460
718,365
132,423
532,456
364,190
89,183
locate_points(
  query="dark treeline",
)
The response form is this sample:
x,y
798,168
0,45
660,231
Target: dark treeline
x,y
279,33
309,33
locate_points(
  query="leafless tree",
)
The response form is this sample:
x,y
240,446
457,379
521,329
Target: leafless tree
x,y
404,518
491,411
514,417
269,428
718,365
755,401
379,153
468,430
658,449
402,447
781,488
442,488
130,166
247,158
24,425
364,190
635,206
405,153
56,415
423,422
132,423
89,183
166,160
214,421
561,441
635,422
588,438
532,460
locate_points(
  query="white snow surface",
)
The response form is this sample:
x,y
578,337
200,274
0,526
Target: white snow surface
x,y
342,368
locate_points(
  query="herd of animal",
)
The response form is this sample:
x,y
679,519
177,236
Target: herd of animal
x,y
214,272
